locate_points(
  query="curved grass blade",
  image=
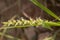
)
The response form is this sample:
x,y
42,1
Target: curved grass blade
x,y
10,37
45,9
3,33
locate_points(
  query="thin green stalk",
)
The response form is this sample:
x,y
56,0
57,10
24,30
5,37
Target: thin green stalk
x,y
53,23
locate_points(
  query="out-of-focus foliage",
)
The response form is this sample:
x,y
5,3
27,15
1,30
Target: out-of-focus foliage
x,y
49,38
9,36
